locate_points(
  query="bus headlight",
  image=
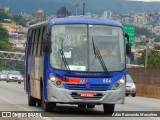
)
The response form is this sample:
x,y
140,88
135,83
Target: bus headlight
x,y
55,81
119,83
52,78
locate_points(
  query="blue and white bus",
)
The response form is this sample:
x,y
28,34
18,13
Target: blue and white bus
x,y
63,63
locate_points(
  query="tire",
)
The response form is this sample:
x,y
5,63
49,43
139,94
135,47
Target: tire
x,y
90,106
47,106
133,95
31,100
127,94
19,82
108,108
7,81
81,105
39,103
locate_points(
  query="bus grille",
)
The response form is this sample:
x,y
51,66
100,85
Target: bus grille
x,y
96,87
95,97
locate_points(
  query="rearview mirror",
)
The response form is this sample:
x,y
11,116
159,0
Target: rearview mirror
x,y
127,36
46,43
128,45
128,48
47,46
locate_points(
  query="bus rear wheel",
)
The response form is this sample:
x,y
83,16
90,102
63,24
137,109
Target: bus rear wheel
x,y
108,108
31,100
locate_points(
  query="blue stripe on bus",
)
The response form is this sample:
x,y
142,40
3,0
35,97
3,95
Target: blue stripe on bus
x,y
84,21
45,74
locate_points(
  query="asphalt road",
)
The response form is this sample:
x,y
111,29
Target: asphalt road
x,y
14,98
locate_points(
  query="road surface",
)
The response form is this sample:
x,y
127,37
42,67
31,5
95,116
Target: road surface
x,y
14,98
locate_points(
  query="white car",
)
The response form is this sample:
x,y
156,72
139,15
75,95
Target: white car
x,y
3,75
14,76
130,86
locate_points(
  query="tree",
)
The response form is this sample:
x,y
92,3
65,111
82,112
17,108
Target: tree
x,y
63,12
141,60
153,59
3,16
143,31
140,43
3,33
157,47
157,38
5,45
19,20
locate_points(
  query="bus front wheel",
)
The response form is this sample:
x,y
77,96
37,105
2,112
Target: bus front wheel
x,y
108,108
47,106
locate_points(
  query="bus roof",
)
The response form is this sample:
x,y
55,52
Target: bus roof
x,y
78,20
84,20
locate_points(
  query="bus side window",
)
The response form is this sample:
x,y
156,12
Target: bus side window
x,y
44,33
35,42
40,41
29,40
32,41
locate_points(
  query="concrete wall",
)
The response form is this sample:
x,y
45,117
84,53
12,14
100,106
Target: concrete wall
x,y
151,91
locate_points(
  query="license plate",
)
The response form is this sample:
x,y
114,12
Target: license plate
x,y
86,94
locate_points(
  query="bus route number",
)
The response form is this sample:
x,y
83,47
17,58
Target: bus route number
x,y
106,80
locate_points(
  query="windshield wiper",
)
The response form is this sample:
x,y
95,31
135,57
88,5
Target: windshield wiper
x,y
98,55
64,59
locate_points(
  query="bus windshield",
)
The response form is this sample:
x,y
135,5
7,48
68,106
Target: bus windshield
x,y
78,43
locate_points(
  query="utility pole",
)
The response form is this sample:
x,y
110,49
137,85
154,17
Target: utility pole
x,y
146,57
76,5
84,5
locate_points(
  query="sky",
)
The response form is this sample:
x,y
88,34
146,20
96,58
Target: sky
x,y
146,0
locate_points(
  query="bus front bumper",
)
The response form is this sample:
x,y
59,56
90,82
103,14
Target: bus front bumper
x,y
61,95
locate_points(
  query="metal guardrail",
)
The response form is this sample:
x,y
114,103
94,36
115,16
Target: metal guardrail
x,y
12,55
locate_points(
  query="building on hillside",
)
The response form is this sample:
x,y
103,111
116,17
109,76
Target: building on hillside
x,y
14,29
4,8
40,15
107,14
140,20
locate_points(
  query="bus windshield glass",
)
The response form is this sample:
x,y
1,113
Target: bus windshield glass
x,y
80,43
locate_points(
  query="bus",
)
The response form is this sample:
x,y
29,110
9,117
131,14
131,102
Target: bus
x,y
64,65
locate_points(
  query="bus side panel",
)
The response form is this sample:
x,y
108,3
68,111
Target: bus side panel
x,y
31,63
28,45
35,71
38,74
45,75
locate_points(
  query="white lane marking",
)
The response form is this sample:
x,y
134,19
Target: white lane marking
x,y
154,118
23,108
15,104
